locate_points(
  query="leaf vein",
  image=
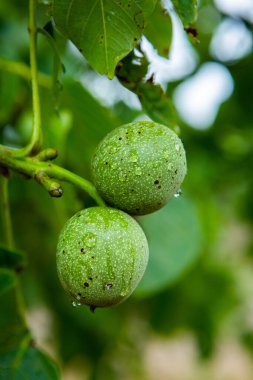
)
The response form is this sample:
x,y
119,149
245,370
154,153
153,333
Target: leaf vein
x,y
88,18
122,9
105,38
122,19
68,13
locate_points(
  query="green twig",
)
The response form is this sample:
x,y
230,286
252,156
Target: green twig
x,y
36,140
5,211
33,168
24,71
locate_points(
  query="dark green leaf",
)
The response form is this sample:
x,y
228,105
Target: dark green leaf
x,y
187,10
159,30
13,95
12,259
7,280
12,325
104,31
155,102
174,238
25,363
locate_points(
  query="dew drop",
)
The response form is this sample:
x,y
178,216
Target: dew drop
x,y
177,147
178,193
122,177
133,155
165,153
114,149
76,304
90,239
138,171
170,166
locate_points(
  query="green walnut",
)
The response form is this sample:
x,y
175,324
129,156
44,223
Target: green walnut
x,y
139,166
102,255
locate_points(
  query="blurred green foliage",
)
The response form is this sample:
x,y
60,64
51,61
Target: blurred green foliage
x,y
200,243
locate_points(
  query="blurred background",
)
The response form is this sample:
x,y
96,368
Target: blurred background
x,y
191,318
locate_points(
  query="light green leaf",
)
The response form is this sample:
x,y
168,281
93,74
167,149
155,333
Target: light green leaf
x,y
105,31
187,10
7,280
159,30
57,129
89,125
174,238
